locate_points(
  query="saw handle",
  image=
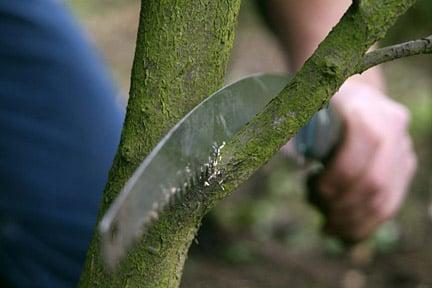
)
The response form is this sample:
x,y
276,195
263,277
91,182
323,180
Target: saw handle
x,y
319,138
318,141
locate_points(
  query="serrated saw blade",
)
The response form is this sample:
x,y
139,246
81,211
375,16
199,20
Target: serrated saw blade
x,y
181,154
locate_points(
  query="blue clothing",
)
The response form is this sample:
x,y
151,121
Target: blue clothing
x,y
59,128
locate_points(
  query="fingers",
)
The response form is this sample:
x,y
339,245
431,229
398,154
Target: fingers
x,y
352,158
366,182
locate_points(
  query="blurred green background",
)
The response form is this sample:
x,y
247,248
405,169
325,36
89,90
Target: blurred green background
x,y
265,234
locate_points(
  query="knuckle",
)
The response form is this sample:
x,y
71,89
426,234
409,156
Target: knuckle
x,y
363,124
372,131
373,136
401,116
376,184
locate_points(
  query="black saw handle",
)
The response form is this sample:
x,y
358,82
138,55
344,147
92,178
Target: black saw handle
x,y
318,141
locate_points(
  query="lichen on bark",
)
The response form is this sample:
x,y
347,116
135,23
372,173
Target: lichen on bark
x,y
338,57
182,50
181,55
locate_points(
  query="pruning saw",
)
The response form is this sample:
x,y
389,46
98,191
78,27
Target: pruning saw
x,y
188,149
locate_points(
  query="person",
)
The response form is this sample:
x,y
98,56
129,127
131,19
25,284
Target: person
x,y
366,181
60,126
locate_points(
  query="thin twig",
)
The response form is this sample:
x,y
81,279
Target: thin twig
x,y
411,48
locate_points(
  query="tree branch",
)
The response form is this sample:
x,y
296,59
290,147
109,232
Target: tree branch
x,y
411,48
181,55
338,57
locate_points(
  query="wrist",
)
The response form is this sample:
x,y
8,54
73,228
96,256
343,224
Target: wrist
x,y
354,89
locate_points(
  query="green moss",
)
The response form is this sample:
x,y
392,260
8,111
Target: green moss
x,y
181,56
337,58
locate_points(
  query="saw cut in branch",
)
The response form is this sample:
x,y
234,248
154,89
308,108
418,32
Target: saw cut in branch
x,y
182,51
410,48
157,261
337,58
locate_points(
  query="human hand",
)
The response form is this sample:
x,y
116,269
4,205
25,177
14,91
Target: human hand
x,y
367,180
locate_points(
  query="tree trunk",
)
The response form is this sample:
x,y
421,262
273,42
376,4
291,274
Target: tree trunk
x,y
182,51
181,55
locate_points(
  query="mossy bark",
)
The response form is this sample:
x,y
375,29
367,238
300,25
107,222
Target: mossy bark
x,y
181,55
407,49
337,58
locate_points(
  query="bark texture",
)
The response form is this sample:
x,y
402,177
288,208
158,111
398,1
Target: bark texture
x,y
338,57
411,48
181,55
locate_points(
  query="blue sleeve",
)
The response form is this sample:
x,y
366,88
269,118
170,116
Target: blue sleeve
x,y
59,129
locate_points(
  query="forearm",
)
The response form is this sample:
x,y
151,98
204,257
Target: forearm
x,y
356,189
302,25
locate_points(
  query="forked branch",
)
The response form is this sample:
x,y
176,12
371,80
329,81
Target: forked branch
x,y
164,78
410,48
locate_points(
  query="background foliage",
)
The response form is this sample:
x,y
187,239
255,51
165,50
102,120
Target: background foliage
x,y
265,235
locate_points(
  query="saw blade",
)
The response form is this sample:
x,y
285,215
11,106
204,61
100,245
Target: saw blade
x,y
180,155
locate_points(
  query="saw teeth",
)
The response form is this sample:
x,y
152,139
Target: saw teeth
x,y
202,178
